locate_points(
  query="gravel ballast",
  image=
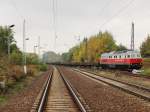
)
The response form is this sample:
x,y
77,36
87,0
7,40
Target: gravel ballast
x,y
23,101
104,98
123,76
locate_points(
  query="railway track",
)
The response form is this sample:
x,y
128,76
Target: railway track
x,y
136,90
128,73
58,96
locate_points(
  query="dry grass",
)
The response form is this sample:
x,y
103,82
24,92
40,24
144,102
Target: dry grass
x,y
146,66
146,62
10,74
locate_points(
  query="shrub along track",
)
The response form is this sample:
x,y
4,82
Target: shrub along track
x,y
104,98
23,101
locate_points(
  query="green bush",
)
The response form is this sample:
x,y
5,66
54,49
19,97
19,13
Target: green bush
x,y
43,67
16,58
32,59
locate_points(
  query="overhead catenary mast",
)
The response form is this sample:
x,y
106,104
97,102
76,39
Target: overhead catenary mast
x,y
24,48
39,46
54,12
132,37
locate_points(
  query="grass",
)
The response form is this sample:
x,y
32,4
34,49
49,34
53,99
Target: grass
x,y
3,99
146,71
146,59
16,81
17,86
146,67
43,67
14,89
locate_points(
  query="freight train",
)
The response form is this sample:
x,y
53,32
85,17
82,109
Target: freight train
x,y
127,59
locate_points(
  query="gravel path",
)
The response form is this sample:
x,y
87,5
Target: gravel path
x,y
23,101
103,98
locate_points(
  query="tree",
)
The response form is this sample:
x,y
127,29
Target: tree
x,y
145,47
14,48
5,34
90,49
121,47
98,44
66,57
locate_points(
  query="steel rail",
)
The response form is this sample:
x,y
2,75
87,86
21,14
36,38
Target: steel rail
x,y
44,94
137,86
72,91
131,74
124,89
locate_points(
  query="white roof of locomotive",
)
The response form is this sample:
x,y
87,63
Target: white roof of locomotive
x,y
120,52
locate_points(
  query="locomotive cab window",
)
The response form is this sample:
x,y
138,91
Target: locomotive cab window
x,y
128,56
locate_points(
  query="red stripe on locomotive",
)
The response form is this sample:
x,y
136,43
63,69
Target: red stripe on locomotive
x,y
121,61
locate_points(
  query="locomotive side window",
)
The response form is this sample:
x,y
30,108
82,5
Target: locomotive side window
x,y
128,56
138,56
120,56
133,55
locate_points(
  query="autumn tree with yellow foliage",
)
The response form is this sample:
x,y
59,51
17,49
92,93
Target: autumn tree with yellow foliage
x,y
90,49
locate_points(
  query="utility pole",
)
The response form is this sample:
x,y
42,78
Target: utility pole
x,y
39,46
86,53
24,49
132,37
34,49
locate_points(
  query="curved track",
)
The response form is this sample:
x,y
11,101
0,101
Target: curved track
x,y
136,90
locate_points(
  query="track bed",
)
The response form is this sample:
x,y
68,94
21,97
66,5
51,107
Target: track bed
x,y
59,98
102,97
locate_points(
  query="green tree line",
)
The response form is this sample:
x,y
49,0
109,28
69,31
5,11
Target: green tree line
x,y
145,47
7,34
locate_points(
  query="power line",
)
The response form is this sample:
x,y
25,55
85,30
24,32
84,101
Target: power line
x,y
115,15
16,8
104,7
54,11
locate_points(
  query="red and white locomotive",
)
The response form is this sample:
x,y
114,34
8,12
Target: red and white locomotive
x,y
127,59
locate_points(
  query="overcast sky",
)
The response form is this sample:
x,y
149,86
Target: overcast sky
x,y
76,18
